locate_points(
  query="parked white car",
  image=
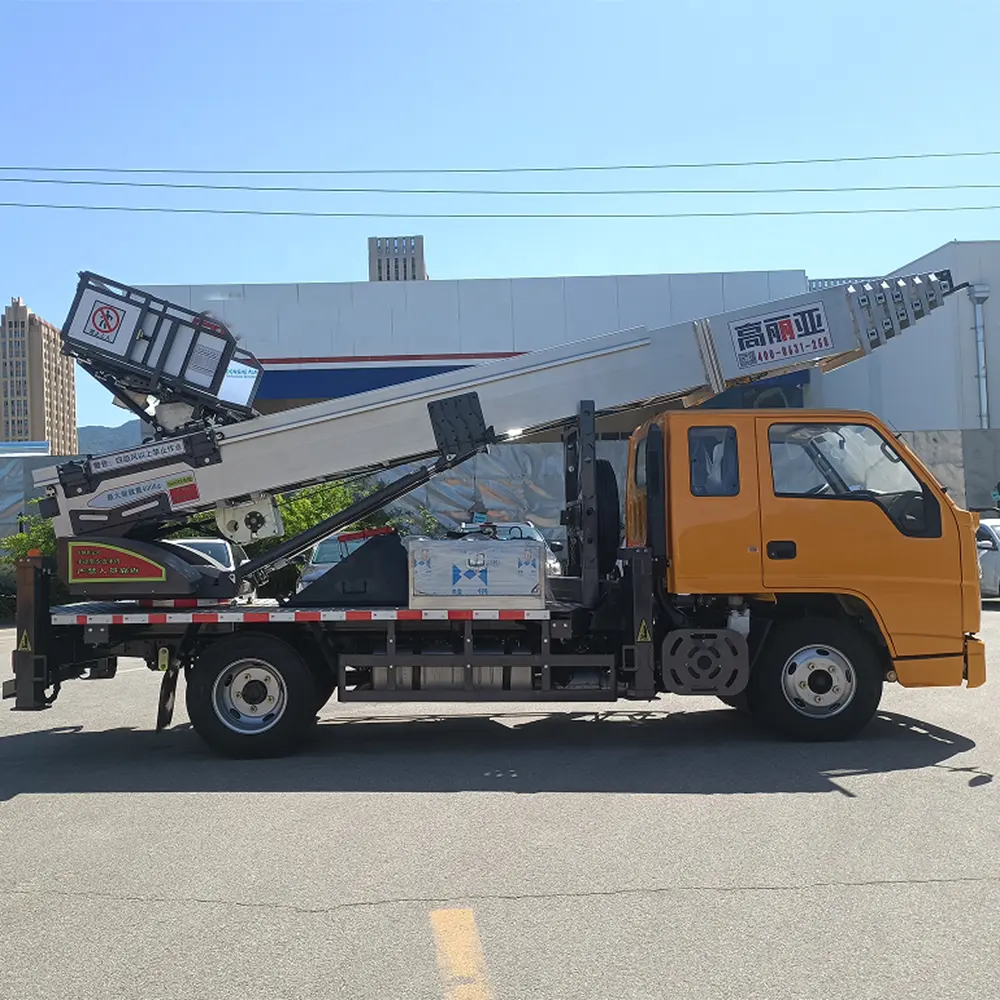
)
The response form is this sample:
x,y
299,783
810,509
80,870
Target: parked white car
x,y
988,549
225,554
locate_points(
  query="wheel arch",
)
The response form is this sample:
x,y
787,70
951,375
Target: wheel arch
x,y
849,607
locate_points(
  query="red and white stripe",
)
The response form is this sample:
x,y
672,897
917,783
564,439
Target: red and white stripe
x,y
264,616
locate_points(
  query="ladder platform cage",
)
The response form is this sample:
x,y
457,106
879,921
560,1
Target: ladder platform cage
x,y
140,344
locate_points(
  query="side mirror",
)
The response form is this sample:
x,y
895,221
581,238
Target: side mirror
x,y
985,545
556,546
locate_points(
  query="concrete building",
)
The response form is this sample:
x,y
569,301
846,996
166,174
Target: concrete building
x,y
37,381
396,258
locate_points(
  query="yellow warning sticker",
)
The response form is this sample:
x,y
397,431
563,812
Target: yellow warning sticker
x,y
643,634
24,646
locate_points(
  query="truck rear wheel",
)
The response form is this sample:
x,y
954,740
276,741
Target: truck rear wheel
x,y
816,679
251,696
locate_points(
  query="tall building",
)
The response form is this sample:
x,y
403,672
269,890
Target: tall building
x,y
396,258
37,381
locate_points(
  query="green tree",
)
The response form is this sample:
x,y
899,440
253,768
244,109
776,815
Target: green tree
x,y
37,534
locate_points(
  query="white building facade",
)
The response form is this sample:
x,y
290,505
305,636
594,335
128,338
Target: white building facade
x,y
930,378
940,384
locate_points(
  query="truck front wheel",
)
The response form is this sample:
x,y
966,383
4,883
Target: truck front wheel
x,y
816,679
251,696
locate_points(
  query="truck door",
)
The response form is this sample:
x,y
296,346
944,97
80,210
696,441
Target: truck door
x,y
714,522
842,512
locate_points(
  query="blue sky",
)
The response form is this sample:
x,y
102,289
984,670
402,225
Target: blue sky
x,y
356,85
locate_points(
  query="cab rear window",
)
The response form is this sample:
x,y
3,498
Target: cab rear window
x,y
640,465
715,469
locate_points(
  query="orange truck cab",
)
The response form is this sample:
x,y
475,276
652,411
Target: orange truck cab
x,y
812,514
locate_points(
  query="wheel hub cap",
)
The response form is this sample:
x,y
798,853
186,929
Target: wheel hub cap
x,y
818,681
249,696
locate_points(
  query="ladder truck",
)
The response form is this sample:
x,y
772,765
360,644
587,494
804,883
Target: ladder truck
x,y
789,562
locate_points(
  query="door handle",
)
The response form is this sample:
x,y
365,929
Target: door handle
x,y
781,550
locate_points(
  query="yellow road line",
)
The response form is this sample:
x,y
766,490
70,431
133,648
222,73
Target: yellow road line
x,y
460,955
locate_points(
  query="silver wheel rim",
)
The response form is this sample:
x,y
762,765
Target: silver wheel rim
x,y
818,681
249,696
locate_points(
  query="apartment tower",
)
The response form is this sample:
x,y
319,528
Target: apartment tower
x,y
37,381
396,258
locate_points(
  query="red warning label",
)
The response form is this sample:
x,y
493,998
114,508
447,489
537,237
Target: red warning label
x,y
182,489
97,561
105,322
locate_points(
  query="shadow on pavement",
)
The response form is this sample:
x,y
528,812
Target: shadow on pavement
x,y
714,752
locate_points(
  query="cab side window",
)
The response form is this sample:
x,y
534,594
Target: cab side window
x,y
715,469
640,465
851,462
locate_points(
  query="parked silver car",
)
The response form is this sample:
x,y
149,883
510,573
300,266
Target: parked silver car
x,y
333,550
988,547
507,530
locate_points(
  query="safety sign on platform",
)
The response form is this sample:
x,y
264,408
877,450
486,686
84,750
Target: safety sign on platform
x,y
104,322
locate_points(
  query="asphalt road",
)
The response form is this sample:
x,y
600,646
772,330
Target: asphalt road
x,y
494,854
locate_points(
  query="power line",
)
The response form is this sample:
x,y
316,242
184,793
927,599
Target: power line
x,y
369,171
497,215
297,189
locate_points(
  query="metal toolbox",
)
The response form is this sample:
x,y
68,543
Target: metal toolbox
x,y
476,574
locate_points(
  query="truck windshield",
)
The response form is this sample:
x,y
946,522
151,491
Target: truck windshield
x,y
218,551
332,550
836,459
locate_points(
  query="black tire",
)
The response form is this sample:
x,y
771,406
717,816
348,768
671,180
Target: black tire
x,y
271,665
838,651
608,515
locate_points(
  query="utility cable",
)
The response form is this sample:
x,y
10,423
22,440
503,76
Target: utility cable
x,y
308,214
593,167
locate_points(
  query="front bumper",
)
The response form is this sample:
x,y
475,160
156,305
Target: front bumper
x,y
945,671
